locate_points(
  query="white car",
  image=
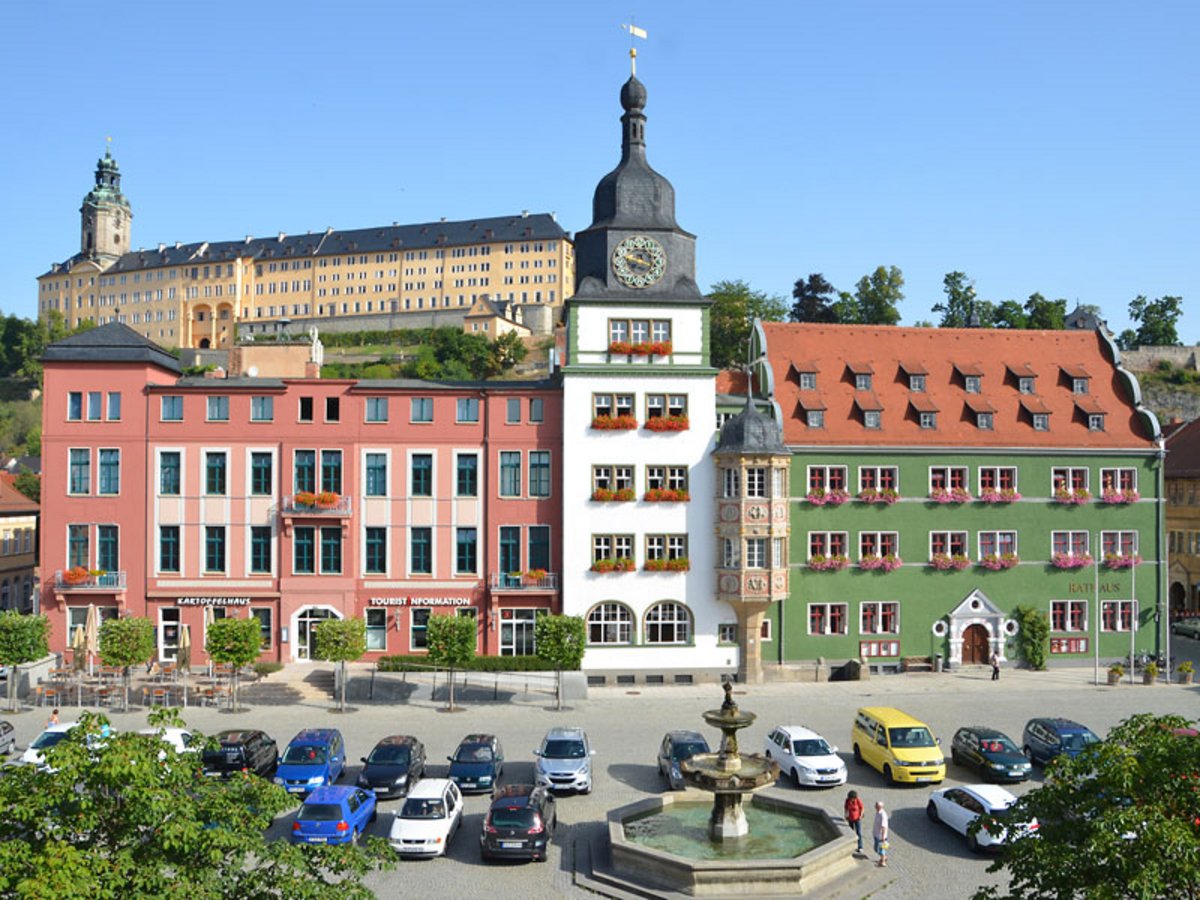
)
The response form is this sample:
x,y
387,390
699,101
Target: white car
x,y
959,807
805,756
429,818
179,738
44,741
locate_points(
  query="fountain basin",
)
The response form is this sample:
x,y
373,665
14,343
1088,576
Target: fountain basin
x,y
773,863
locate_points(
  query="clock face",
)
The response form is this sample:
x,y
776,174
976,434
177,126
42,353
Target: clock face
x,y
639,261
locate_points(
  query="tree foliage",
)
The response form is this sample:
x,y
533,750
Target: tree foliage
x,y
560,640
341,641
441,354
959,304
126,817
126,642
1033,635
1046,315
1121,820
876,296
24,341
451,644
1009,314
814,299
235,643
23,639
735,306
29,484
1156,320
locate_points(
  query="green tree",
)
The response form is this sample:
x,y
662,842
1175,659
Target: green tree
x,y
235,643
508,350
341,641
1156,320
877,295
1033,635
813,298
29,484
959,304
560,641
23,639
1009,314
126,642
1045,315
735,306
1121,820
451,644
128,817
1127,340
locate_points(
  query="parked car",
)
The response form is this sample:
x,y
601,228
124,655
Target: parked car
x,y
675,747
805,756
564,761
429,818
902,748
8,738
1046,738
393,766
1189,627
519,823
314,758
959,807
993,754
335,814
34,753
242,750
477,763
180,739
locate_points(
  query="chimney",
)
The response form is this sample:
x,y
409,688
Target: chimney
x,y
524,214
281,237
162,247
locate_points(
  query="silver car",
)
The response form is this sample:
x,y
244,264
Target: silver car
x,y
1186,627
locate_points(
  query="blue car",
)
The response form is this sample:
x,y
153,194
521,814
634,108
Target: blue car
x,y
1046,738
316,757
477,763
334,815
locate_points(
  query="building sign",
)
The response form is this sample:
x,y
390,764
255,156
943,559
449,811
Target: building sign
x,y
421,601
212,601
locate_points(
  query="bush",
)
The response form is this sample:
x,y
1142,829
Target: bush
x,y
263,669
421,663
1033,639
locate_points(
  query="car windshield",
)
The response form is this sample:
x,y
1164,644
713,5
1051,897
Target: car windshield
x,y
473,753
390,755
423,809
999,744
910,737
816,747
682,750
311,756
319,812
1078,740
48,739
564,749
513,817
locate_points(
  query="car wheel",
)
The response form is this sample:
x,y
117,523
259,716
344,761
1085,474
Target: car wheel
x,y
931,811
955,758
588,789
973,844
1029,755
795,778
857,755
887,774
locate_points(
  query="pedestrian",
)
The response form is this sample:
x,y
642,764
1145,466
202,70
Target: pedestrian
x,y
854,814
995,666
53,720
881,833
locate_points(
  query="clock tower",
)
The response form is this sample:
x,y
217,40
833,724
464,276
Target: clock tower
x,y
105,217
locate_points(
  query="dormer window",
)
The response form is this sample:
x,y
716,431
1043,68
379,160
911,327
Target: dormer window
x,y
1025,385
1079,385
928,421
972,384
1041,422
815,418
862,382
983,421
872,419
808,381
916,383
1096,422
862,373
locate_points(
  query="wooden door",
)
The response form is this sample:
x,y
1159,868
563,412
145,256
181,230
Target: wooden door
x,y
975,649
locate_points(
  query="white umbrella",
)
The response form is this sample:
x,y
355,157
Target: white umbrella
x,y
209,618
79,660
91,631
184,657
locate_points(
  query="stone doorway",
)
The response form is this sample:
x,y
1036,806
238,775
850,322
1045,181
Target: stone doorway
x,y
975,646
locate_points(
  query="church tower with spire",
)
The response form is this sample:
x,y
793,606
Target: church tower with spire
x,y
639,423
105,217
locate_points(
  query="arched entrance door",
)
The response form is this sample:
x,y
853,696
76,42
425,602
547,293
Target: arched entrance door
x,y
306,625
975,647
1178,594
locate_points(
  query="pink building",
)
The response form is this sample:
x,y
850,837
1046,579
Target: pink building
x,y
295,500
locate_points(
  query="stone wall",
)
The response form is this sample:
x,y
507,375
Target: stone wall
x,y
1143,359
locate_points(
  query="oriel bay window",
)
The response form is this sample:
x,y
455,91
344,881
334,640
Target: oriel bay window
x,y
732,484
331,550
828,543
1068,615
879,617
1118,615
827,618
305,475
375,551
331,471
304,550
756,553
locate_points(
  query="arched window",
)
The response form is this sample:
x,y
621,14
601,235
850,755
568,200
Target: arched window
x,y
668,623
610,623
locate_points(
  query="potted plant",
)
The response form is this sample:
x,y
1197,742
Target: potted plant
x,y
535,576
667,423
1003,495
75,575
327,500
1150,673
950,495
1115,673
622,422
944,562
1071,560
1185,671
997,562
823,497
305,498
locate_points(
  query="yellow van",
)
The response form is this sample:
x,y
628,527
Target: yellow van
x,y
899,746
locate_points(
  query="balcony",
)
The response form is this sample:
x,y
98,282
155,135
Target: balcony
x,y
315,506
524,581
79,579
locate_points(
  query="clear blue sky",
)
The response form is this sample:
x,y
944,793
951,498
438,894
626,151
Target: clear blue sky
x,y
1036,146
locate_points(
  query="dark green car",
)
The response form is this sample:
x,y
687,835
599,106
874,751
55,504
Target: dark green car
x,y
990,752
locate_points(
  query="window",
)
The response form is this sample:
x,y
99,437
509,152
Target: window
x,y
997,478
972,383
916,384
612,546
638,331
94,401
1119,543
113,413
1095,422
1041,421
946,478
878,543
376,475
862,381
510,473
333,409
808,381
997,543
827,478
828,543
377,409
827,618
331,471
1068,481
928,420
1068,615
108,555
466,475
262,409
468,409
331,550
214,548
110,472
948,543
78,548
538,546
466,551
260,550
262,474
512,410
668,623
659,405
727,633
612,478
168,548
879,617
1118,615
1071,543
421,482
872,419
756,481
610,623
218,409
984,421
536,413
306,409
263,614
75,406
672,478
375,542
1079,385
80,472
214,473
1025,384
666,546
612,405
376,624
421,409
814,418
420,552
305,465
418,635
304,554
756,553
1118,480
539,473
732,483
878,478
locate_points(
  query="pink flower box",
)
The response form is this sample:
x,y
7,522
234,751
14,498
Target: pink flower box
x,y
820,563
950,495
1005,495
1121,560
875,495
822,497
888,563
1119,497
1072,498
997,562
1071,560
944,562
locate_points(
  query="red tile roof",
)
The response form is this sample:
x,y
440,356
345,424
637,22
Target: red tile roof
x,y
731,381
890,350
1183,451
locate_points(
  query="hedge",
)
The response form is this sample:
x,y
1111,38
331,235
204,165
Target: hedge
x,y
420,663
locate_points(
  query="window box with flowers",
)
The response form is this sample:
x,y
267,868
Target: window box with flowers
x,y
305,498
1121,560
1115,497
613,495
1071,560
822,497
327,500
821,563
620,348
998,562
76,575
535,577
624,422
642,348
667,423
666,495
873,563
945,562
887,496
950,495
1077,497
617,564
1004,495
678,564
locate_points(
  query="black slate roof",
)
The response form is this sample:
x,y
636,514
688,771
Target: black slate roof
x,y
113,342
751,432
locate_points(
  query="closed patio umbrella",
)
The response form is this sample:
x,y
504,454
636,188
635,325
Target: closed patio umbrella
x,y
184,658
91,632
79,660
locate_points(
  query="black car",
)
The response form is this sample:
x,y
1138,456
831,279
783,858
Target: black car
x,y
990,752
393,766
676,747
477,763
519,823
242,750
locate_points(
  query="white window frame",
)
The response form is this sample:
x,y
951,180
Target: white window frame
x,y
878,606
